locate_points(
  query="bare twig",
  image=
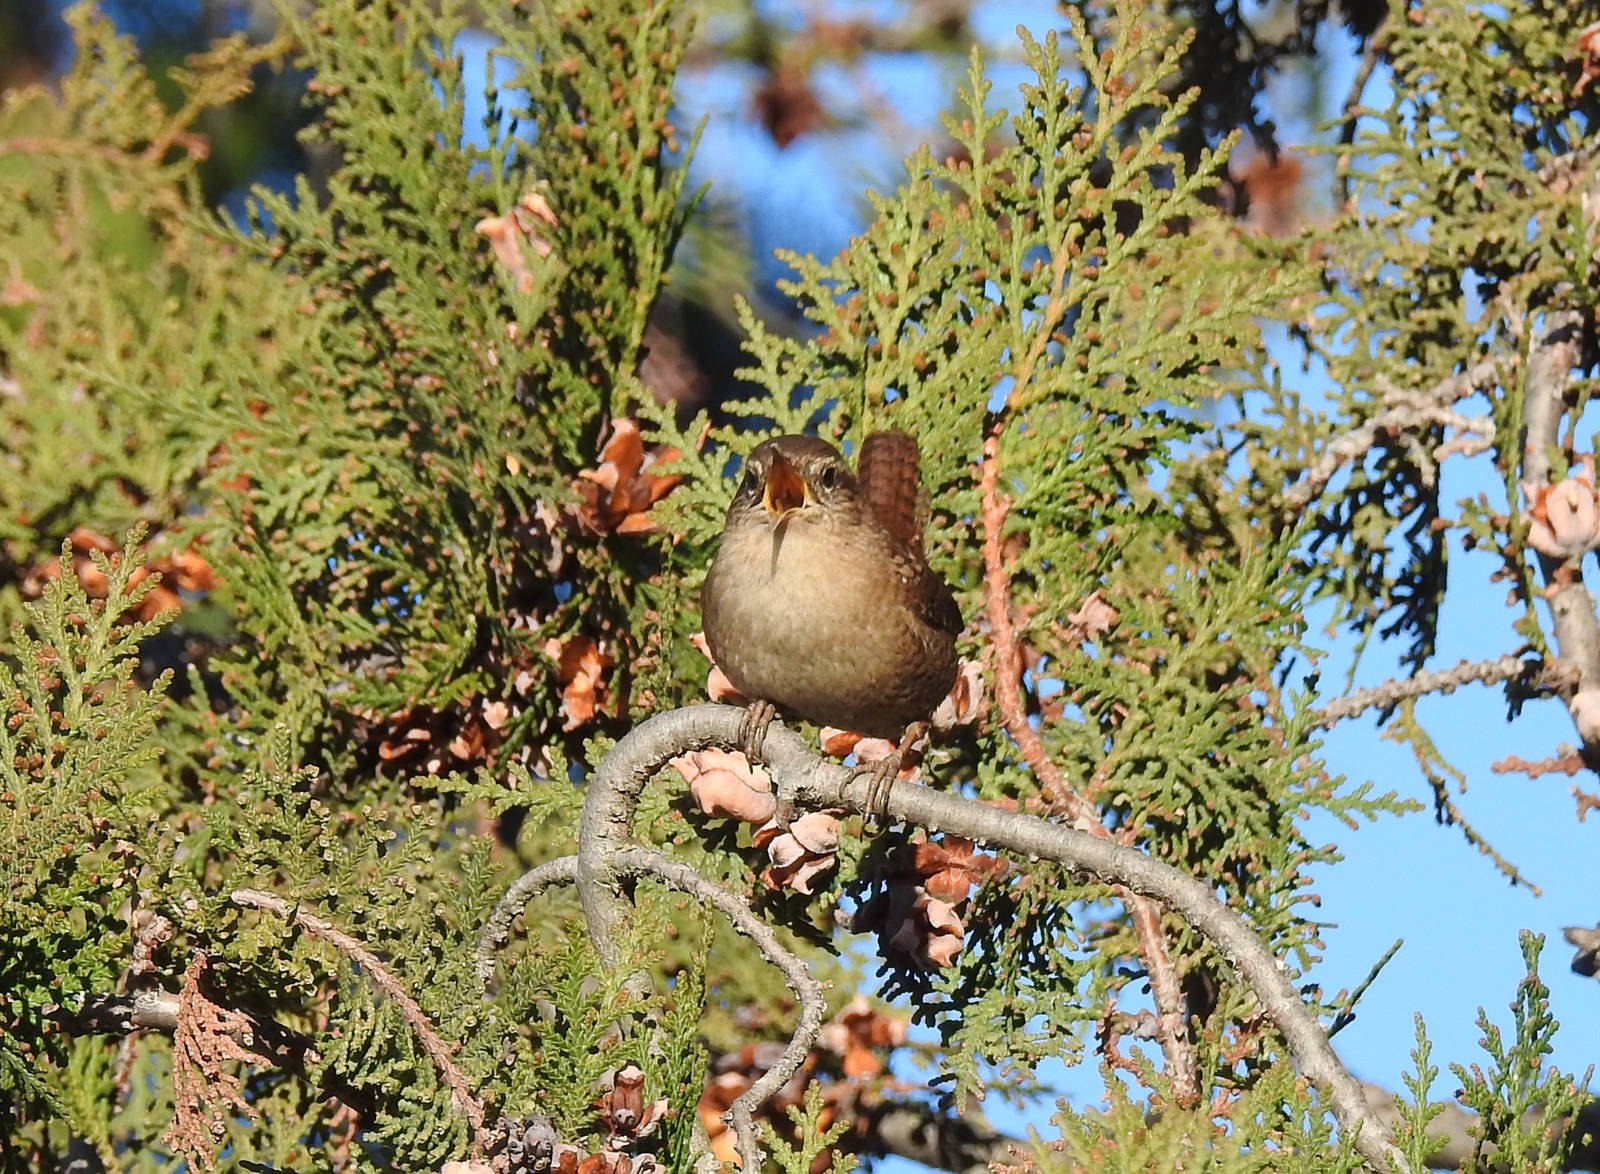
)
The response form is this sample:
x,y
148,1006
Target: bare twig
x,y
1430,409
807,990
635,862
528,886
1390,693
438,1051
1569,763
1376,46
1165,987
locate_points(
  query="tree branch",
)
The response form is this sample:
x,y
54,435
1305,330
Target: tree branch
x,y
635,862
1551,358
466,1102
526,887
293,1051
641,862
1414,411
821,784
1487,672
909,1129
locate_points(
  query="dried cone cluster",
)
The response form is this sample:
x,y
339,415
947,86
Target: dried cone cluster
x,y
1589,47
183,573
725,785
1564,517
423,740
613,498
530,1145
517,233
918,916
616,496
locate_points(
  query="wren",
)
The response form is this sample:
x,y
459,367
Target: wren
x,y
820,601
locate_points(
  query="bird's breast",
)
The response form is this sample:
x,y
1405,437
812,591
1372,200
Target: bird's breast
x,y
817,620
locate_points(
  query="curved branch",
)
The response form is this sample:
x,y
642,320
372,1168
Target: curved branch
x,y
526,887
605,829
807,990
821,784
634,862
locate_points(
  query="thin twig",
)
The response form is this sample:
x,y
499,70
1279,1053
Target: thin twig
x,y
1165,987
1391,693
438,1051
1474,433
807,990
1448,814
526,887
636,862
1347,1014
1376,46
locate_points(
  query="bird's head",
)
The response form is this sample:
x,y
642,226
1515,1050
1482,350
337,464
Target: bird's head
x,y
794,477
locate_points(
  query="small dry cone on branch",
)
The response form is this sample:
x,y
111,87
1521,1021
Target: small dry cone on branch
x,y
1588,46
424,740
1564,516
862,1035
516,233
917,916
581,666
724,784
185,572
615,497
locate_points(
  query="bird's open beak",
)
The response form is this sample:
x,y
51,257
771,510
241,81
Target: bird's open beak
x,y
786,489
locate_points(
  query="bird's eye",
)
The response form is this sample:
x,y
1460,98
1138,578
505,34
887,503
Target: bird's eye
x,y
751,481
828,478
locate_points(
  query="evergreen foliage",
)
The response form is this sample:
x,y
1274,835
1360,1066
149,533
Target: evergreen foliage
x,y
80,795
376,437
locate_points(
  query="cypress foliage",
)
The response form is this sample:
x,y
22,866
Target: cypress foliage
x,y
339,542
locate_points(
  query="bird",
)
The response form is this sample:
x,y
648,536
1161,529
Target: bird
x,y
820,601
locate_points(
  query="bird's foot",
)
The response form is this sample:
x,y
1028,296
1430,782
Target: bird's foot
x,y
758,716
783,793
881,774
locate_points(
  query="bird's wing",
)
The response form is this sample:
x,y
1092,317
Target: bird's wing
x,y
930,596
